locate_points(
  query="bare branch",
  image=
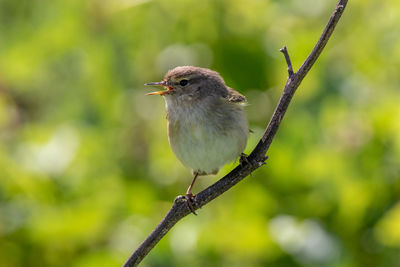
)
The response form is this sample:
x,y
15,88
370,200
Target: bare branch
x,y
288,62
256,158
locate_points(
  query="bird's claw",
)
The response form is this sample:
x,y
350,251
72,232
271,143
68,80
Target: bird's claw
x,y
253,165
243,159
191,202
264,160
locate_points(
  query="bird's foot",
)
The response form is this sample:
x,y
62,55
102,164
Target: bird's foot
x,y
254,165
243,159
191,202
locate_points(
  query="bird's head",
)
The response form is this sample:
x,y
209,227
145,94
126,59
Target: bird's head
x,y
190,81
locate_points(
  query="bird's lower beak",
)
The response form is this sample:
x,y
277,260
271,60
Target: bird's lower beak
x,y
162,83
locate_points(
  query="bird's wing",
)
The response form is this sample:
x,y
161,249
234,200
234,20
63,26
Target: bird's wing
x,y
234,96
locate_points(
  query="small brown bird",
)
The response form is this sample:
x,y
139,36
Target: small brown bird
x,y
207,127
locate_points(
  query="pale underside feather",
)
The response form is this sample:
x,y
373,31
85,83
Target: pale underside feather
x,y
209,136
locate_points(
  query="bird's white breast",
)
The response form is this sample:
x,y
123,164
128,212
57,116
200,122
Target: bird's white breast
x,y
203,137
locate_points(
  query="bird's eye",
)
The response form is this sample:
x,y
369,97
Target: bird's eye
x,y
183,82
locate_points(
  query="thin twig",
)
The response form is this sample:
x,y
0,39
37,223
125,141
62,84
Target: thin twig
x,y
255,159
288,62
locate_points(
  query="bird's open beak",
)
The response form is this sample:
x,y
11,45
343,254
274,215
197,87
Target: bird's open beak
x,y
162,83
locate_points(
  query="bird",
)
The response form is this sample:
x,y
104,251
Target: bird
x,y
206,123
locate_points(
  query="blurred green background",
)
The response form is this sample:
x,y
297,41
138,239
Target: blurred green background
x,y
86,171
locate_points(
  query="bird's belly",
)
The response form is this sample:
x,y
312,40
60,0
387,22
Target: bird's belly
x,y
204,147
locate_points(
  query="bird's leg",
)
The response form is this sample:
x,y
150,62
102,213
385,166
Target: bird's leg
x,y
189,196
189,190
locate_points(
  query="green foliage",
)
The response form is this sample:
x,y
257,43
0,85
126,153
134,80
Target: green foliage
x,y
86,171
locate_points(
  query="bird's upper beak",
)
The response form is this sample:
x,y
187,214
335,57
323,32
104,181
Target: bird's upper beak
x,y
162,83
